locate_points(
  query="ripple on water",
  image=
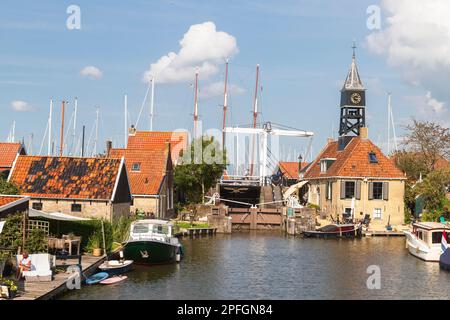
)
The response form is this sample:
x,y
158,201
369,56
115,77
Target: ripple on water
x,y
269,265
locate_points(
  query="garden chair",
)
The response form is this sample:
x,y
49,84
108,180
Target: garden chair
x,y
40,268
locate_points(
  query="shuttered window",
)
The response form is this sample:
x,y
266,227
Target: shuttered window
x,y
379,191
329,190
350,189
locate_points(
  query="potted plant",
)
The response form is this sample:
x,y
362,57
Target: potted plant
x,y
94,244
12,288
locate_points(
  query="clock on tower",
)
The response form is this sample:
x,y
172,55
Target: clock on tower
x,y
353,102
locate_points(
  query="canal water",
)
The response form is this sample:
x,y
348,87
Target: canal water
x,y
269,265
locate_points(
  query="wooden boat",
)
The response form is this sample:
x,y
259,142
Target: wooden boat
x,y
424,241
151,241
347,230
96,278
116,267
114,280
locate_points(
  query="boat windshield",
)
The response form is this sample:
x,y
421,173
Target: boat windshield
x,y
155,228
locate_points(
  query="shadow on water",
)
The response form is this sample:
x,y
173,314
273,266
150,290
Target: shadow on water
x,y
270,265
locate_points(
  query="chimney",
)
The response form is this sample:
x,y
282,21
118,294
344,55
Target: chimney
x,y
132,130
364,133
108,147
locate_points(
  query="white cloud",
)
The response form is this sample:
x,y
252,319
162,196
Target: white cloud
x,y
91,72
428,107
217,88
202,48
21,106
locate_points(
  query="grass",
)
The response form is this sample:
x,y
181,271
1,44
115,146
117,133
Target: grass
x,y
187,225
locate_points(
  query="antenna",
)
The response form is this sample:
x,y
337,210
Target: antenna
x,y
225,105
255,115
196,104
152,100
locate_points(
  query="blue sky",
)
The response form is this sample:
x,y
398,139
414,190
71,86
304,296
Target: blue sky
x,y
303,48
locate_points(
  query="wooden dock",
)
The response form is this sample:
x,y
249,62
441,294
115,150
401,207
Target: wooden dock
x,y
193,232
383,234
51,289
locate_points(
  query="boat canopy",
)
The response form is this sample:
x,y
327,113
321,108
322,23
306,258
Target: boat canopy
x,y
431,226
151,221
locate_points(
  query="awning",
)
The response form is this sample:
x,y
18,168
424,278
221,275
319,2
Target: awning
x,y
294,188
54,215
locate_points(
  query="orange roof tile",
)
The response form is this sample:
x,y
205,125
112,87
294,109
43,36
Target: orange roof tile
x,y
152,156
8,153
152,140
353,161
66,177
4,200
290,168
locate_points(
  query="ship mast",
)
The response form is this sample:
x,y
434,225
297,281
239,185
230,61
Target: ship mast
x,y
49,151
255,115
196,105
225,105
61,147
152,103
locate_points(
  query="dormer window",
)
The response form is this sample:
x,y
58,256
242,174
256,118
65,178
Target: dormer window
x,y
136,167
373,157
325,164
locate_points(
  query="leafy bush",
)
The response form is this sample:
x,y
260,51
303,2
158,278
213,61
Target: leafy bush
x,y
121,229
36,241
12,236
95,241
85,229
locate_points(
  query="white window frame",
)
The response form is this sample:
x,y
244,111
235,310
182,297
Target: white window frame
x,y
377,214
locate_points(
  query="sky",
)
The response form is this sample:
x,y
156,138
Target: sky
x,y
303,49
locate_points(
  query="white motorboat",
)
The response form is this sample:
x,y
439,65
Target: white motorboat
x,y
424,241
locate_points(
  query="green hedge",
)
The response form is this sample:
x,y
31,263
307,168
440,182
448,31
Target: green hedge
x,y
85,229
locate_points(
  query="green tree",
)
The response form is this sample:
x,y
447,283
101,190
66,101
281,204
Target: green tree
x,y
7,187
202,165
429,139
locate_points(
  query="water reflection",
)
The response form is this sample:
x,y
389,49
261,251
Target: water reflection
x,y
269,265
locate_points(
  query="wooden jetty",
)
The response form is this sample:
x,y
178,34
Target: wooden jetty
x,y
383,233
50,289
193,232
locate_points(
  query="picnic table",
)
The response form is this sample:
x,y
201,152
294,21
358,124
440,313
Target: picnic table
x,y
65,242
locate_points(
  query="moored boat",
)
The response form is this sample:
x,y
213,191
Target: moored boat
x,y
424,241
347,230
151,241
116,267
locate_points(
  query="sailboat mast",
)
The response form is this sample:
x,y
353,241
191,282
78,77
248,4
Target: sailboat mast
x,y
61,147
94,151
126,121
196,105
49,151
255,115
225,105
74,132
389,125
152,103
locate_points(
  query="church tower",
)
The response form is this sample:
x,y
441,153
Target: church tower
x,y
353,101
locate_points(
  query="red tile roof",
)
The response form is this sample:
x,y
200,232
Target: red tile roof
x,y
66,177
8,153
353,161
152,140
290,168
150,151
5,200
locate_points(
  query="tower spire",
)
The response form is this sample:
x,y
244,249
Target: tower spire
x,y
353,102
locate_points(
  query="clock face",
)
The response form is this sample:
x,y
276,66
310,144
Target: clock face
x,y
355,98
